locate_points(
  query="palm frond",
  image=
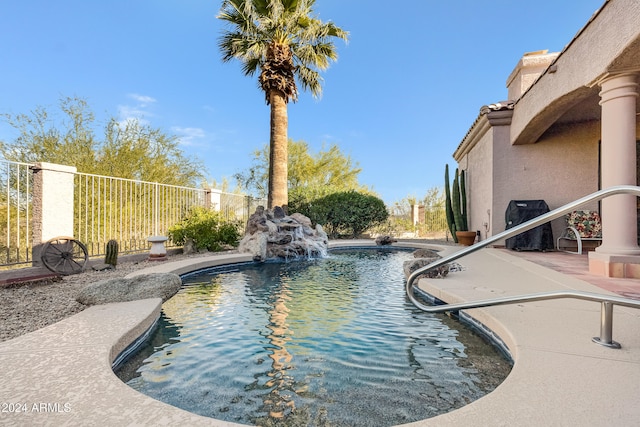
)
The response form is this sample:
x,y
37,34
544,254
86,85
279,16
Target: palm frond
x,y
257,25
250,66
310,80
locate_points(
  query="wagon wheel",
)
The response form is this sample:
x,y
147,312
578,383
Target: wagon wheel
x,y
64,255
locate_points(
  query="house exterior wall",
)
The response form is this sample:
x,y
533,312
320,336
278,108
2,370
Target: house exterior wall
x,y
479,169
560,168
544,142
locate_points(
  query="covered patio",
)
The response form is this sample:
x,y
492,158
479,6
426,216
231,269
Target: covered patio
x,y
569,128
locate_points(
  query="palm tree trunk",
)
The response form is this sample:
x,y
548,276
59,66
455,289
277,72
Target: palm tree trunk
x,y
278,158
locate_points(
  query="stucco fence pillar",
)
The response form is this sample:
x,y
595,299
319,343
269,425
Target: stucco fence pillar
x,y
619,254
214,199
52,204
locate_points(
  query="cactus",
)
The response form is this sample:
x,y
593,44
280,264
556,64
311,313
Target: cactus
x,y
455,202
111,256
448,208
463,201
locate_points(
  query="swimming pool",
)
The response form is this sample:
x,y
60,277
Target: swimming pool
x,y
329,341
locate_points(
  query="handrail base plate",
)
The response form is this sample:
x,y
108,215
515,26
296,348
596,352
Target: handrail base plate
x,y
612,344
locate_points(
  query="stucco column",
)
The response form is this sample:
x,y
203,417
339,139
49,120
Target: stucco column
x,y
52,204
215,199
619,223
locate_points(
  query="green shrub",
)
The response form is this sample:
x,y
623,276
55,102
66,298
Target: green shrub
x,y
299,202
347,214
206,228
301,198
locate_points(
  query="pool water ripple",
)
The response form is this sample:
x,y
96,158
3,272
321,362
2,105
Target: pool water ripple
x,y
323,342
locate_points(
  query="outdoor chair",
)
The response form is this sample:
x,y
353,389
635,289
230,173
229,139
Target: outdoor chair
x,y
581,226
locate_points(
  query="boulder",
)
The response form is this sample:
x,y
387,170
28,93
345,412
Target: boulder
x,y
414,264
257,221
189,247
278,212
301,219
280,239
154,285
425,253
385,240
272,228
255,244
321,235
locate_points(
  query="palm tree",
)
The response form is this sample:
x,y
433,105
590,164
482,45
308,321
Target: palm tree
x,y
285,42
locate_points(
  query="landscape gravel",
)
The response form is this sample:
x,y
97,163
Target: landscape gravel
x,y
28,307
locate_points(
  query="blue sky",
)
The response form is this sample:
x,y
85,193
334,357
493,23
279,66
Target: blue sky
x,y
402,95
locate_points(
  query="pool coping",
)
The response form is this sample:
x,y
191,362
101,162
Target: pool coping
x,y
62,374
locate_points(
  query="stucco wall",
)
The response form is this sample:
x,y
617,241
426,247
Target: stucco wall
x,y
53,201
583,61
478,166
559,169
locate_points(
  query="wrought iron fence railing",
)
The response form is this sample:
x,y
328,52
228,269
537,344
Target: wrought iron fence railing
x,y
130,211
428,221
104,208
126,210
435,219
15,213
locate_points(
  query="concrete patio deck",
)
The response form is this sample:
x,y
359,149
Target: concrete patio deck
x,y
61,374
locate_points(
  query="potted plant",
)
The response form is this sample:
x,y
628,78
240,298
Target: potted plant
x,y
456,208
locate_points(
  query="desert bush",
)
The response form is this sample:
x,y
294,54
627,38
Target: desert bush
x,y
346,214
206,228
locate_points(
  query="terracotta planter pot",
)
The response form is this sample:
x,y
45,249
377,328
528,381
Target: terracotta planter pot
x,y
466,238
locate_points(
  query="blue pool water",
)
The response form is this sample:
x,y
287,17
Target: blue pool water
x,y
325,342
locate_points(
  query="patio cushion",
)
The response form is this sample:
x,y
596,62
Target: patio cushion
x,y
586,222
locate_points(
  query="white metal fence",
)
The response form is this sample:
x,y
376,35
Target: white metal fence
x,y
435,219
130,211
420,221
126,210
104,208
15,213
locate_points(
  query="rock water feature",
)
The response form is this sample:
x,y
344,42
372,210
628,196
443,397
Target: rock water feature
x,y
273,234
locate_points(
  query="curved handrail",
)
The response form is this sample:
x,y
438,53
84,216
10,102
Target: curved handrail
x,y
606,301
606,313
520,228
586,296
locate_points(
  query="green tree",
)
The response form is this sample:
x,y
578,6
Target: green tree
x,y
283,40
130,150
434,197
311,175
42,139
138,151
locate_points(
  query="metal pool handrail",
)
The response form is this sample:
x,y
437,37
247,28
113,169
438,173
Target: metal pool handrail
x,y
606,312
607,301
